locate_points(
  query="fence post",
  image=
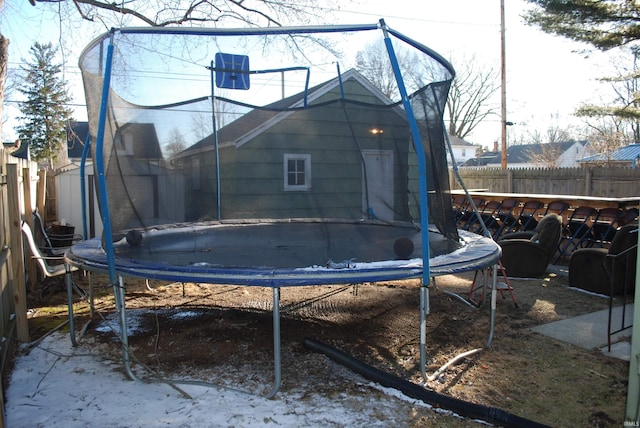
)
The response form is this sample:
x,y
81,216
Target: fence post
x,y
587,182
41,192
16,258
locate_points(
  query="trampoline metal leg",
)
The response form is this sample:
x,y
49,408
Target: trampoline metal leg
x,y
277,363
494,293
72,322
118,291
92,308
424,311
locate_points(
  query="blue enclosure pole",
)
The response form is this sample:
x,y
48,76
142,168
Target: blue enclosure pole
x,y
417,143
424,212
102,181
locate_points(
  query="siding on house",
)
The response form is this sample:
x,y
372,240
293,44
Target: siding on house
x,y
252,171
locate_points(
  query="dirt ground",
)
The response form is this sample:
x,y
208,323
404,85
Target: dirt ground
x,y
223,334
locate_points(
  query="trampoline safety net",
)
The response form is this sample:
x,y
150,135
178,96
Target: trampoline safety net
x,y
200,126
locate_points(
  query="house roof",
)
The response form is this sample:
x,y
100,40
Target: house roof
x,y
255,121
143,132
20,151
457,141
629,153
522,153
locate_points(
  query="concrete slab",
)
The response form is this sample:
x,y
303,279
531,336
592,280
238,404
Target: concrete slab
x,y
589,331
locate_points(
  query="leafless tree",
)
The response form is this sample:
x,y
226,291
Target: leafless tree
x,y
471,96
161,13
605,136
544,155
176,143
373,63
557,131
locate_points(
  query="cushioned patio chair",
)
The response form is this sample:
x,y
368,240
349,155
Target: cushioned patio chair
x,y
608,271
527,254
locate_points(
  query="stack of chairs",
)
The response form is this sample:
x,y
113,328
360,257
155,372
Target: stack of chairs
x,y
507,217
488,218
604,227
577,230
528,216
468,216
459,204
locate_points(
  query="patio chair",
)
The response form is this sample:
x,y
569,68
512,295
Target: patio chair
x,y
527,254
53,267
610,272
629,216
602,270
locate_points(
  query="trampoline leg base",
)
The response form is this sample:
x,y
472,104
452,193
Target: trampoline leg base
x,y
72,321
119,295
277,364
424,311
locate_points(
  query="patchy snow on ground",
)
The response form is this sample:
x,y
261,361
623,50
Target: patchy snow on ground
x,y
56,385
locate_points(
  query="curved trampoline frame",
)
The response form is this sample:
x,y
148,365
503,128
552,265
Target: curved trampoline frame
x,y
97,256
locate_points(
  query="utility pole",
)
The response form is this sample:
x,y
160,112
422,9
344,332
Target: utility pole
x,y
503,72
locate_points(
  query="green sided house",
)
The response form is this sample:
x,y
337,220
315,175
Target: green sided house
x,y
339,150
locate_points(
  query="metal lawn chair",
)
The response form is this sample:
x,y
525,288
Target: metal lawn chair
x,y
51,267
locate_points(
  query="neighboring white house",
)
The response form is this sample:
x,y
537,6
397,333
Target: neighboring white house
x,y
462,150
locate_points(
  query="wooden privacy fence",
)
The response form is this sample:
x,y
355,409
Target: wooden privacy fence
x,y
606,182
17,177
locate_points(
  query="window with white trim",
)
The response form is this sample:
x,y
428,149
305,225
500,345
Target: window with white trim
x,y
297,172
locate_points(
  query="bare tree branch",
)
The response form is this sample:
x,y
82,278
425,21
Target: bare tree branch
x,y
162,13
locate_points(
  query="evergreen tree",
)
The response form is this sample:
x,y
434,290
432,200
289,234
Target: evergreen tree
x,y
45,109
603,24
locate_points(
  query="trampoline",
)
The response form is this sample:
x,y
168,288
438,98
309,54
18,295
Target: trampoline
x,y
250,157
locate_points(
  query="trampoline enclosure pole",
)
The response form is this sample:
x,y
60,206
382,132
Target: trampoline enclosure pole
x,y
102,181
417,142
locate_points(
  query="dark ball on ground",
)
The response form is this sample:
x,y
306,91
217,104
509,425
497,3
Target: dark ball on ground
x,y
134,238
403,247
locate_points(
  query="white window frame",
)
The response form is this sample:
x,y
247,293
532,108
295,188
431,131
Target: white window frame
x,y
307,172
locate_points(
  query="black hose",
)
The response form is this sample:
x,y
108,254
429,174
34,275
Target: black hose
x,y
460,407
